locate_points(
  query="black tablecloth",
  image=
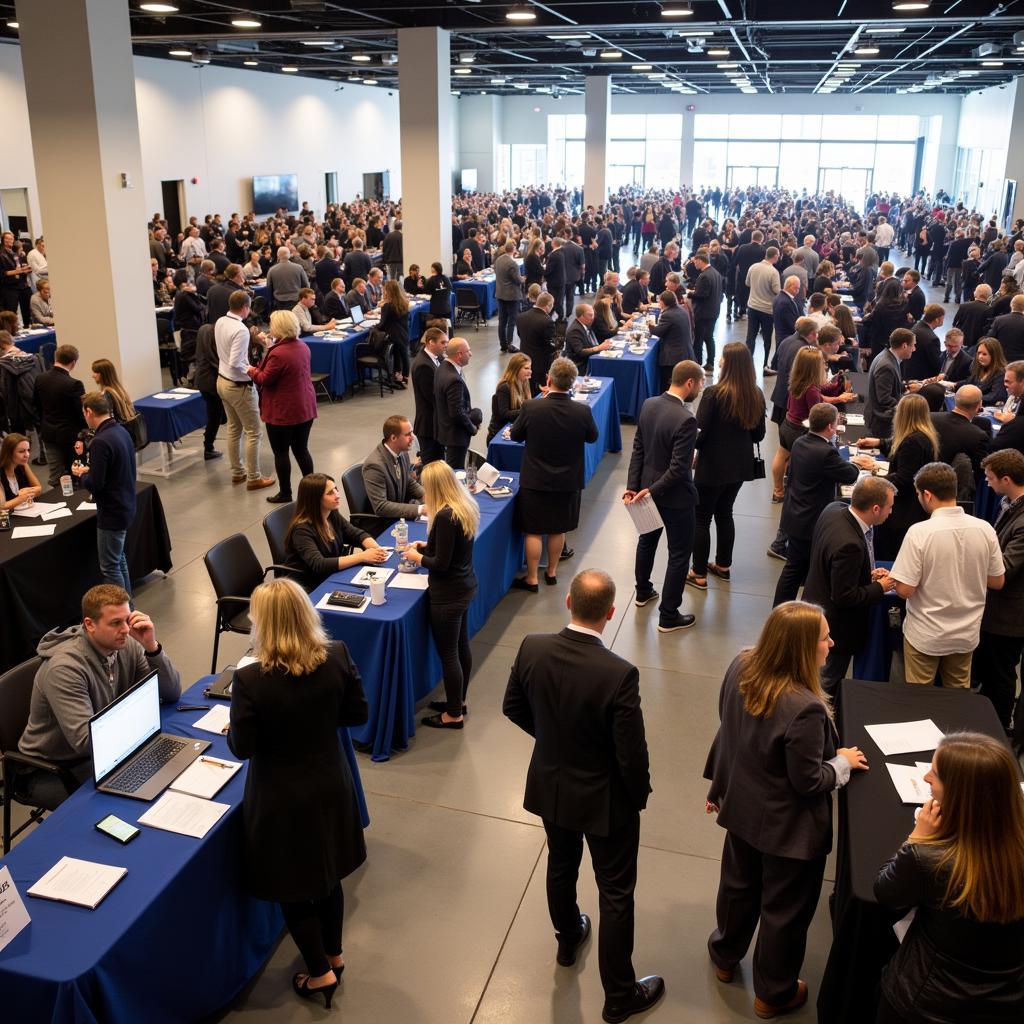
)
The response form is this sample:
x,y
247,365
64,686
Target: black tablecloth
x,y
873,822
42,579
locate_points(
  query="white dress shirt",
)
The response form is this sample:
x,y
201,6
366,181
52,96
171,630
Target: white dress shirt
x,y
232,338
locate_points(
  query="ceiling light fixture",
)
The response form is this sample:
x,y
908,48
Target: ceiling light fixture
x,y
463,71
250,63
570,35
362,58
12,24
642,67
866,51
885,31
991,63
655,75
521,85
749,91
521,12
455,92
676,11
728,65
611,54
158,8
369,81
466,58
180,53
720,51
911,5
354,78
290,69
246,23
498,81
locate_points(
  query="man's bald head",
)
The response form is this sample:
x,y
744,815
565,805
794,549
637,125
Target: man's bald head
x,y
983,292
792,284
591,598
455,347
968,398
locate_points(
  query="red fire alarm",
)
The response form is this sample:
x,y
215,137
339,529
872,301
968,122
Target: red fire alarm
x,y
195,181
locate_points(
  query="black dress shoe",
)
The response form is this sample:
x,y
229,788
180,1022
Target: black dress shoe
x,y
279,498
670,623
512,350
567,552
211,453
647,992
519,583
568,947
437,722
442,705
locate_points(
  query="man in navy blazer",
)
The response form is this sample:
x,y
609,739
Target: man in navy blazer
x,y
589,776
787,308
661,467
674,332
456,421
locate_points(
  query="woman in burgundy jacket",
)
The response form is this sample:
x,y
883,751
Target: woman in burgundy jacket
x,y
287,399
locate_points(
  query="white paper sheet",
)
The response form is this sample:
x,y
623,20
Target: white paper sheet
x,y
33,531
909,782
57,513
855,419
87,506
13,913
409,581
205,776
216,720
904,737
186,815
184,391
322,605
487,474
645,515
38,509
81,882
168,395
371,572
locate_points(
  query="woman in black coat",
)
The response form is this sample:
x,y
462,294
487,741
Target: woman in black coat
x,y
533,265
320,541
439,287
888,313
302,828
394,322
511,394
962,870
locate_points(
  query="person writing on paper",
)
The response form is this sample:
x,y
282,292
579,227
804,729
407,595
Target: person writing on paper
x,y
392,490
962,870
84,668
773,768
511,394
21,487
301,818
447,555
320,541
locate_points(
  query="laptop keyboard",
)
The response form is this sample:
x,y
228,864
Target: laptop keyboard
x,y
145,767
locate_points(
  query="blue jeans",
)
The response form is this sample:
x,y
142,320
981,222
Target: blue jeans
x,y
113,564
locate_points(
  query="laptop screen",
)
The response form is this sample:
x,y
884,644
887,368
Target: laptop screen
x,y
357,314
123,726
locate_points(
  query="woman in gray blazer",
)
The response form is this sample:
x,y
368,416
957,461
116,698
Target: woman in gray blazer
x,y
773,767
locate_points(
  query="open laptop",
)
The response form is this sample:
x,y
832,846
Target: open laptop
x,y
356,312
130,755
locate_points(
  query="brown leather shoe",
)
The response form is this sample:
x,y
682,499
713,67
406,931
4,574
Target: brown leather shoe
x,y
766,1011
723,974
238,479
259,484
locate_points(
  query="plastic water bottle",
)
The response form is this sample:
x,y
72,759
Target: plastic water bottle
x,y
401,535
471,478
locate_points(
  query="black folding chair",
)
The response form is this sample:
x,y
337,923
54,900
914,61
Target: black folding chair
x,y
376,360
467,307
361,513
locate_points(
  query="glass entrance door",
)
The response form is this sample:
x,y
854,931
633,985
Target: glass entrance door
x,y
852,183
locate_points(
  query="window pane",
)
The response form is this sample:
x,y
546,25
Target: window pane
x,y
801,126
849,126
754,126
664,126
842,154
894,168
626,126
798,165
709,163
662,166
753,154
899,127
529,165
625,152
710,126
556,127
574,163
502,158
575,126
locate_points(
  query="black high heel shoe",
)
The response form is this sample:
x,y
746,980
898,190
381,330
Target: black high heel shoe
x,y
305,992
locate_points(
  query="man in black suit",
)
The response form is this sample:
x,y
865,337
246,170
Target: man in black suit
x,y
925,361
359,296
219,294
335,305
536,332
58,402
664,267
959,431
589,777
554,277
786,310
955,363
707,306
636,295
1008,330
974,317
325,270
885,382
357,263
661,467
456,421
842,577
424,367
743,259
675,336
580,341
914,295
575,269
815,468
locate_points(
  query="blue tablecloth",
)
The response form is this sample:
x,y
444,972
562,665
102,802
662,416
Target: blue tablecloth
x,y
170,419
636,377
174,941
484,289
508,455
391,643
884,640
33,340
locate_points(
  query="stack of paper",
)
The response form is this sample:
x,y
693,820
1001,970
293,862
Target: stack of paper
x,y
905,737
909,781
38,509
216,720
186,815
80,882
205,777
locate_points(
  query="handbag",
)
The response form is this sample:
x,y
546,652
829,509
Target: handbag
x,y
759,471
136,428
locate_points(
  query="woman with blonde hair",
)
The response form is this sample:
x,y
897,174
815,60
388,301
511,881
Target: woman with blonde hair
x,y
772,768
302,830
394,322
962,868
452,520
511,394
606,324
105,374
287,399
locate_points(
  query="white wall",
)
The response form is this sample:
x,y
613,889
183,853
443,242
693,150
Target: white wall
x,y
222,126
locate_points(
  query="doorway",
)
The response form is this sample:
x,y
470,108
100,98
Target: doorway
x,y
377,185
173,198
14,213
852,183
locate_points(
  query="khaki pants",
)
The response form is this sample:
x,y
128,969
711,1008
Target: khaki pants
x,y
243,413
921,668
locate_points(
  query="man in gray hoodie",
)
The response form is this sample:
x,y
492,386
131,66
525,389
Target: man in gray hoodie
x,y
84,669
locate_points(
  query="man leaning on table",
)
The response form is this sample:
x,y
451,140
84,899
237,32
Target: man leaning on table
x,y
944,570
85,667
392,490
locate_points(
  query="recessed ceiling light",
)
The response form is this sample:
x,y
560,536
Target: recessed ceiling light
x,y
466,58
696,33
718,52
642,67
158,8
749,91
686,91
369,81
521,13
250,63
180,53
354,78
520,85
463,71
866,51
676,11
826,89
911,5
849,64
318,42
611,54
246,23
456,92
991,63
363,58
290,68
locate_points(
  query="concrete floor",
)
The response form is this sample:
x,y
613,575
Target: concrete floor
x,y
455,863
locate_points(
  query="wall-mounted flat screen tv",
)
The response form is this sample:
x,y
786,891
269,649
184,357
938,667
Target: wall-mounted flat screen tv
x,y
273,192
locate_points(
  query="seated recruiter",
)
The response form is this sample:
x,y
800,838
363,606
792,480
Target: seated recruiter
x,y
580,341
303,310
41,305
512,393
320,541
391,488
21,487
85,667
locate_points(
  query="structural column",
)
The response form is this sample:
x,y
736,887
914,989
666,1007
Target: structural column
x,y
686,153
425,120
80,89
595,170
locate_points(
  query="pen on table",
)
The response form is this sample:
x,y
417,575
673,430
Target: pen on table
x,y
194,707
219,764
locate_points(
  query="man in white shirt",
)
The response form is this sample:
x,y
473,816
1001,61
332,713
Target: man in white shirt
x,y
238,393
883,238
301,309
944,570
37,261
193,248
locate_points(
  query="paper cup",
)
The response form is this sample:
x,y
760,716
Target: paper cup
x,y
66,487
377,592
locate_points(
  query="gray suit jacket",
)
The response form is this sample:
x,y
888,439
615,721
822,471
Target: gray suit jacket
x,y
1003,607
392,491
885,389
508,283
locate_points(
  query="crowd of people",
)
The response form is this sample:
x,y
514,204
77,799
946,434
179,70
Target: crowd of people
x,y
783,263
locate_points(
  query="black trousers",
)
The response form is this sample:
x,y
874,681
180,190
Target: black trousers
x,y
778,893
763,322
455,455
679,523
994,666
449,624
794,572
886,1014
214,418
508,310
430,450
13,299
714,503
400,358
315,925
570,299
704,335
665,376
296,438
614,860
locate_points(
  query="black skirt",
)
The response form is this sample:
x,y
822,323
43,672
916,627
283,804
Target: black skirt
x,y
540,512
789,432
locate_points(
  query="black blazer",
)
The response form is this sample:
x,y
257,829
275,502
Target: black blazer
x,y
533,268
815,468
302,830
575,263
707,294
335,307
839,578
422,373
885,389
926,359
316,559
356,264
454,424
555,429
578,338
501,411
589,770
324,272
536,332
675,334
189,311
915,452
448,559
957,369
915,303
207,360
959,434
554,270
770,777
217,299
1008,330
58,400
973,318
726,449
634,295
666,432
1011,435
395,325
